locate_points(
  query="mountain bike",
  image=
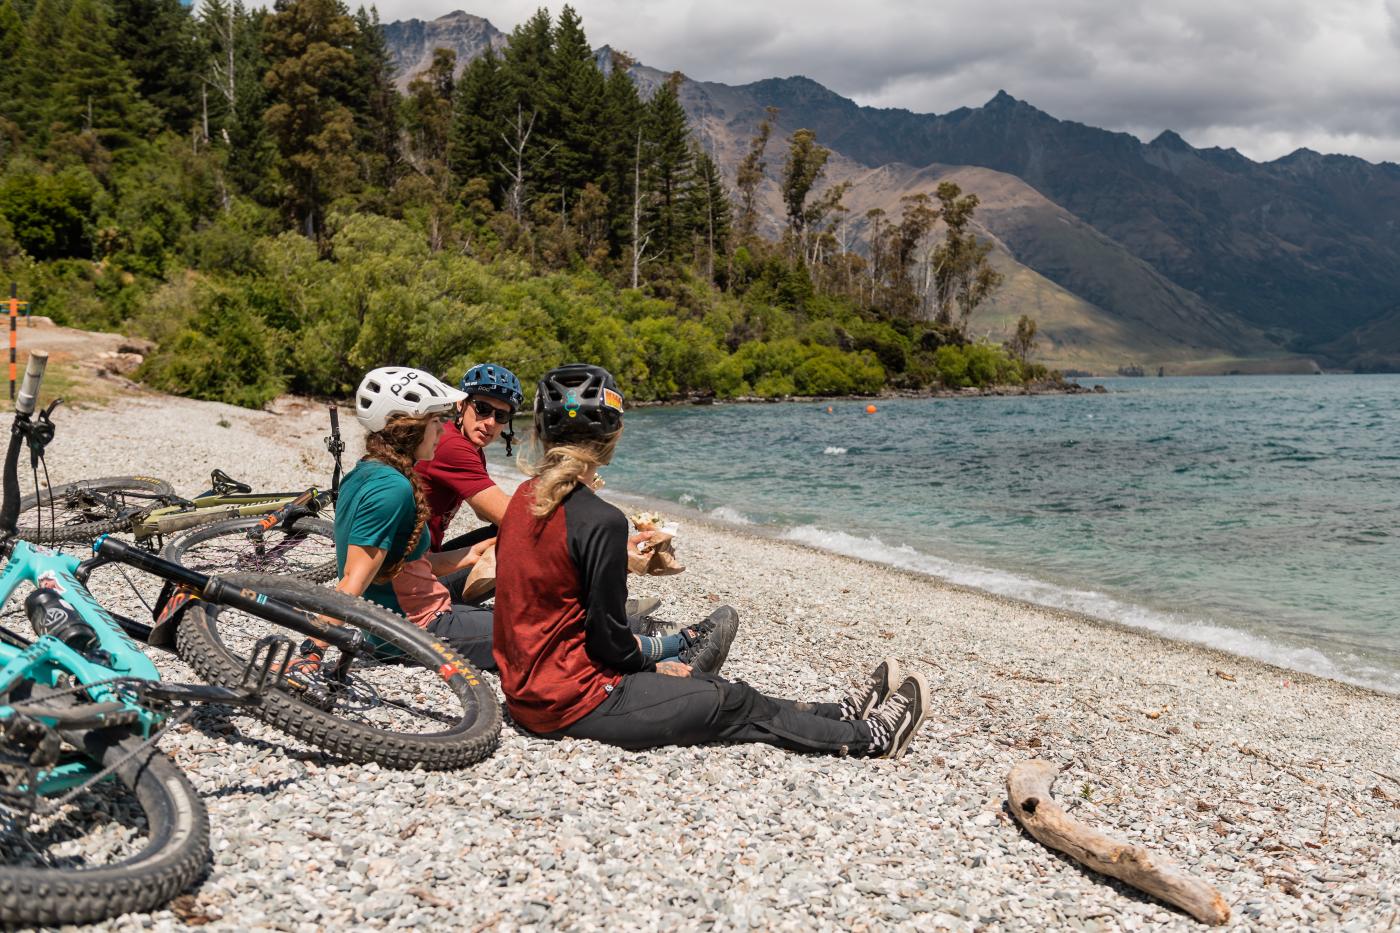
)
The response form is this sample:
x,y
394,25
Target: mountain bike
x,y
83,703
94,820
148,508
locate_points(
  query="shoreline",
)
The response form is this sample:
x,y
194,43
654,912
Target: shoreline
x,y
1281,789
775,534
992,391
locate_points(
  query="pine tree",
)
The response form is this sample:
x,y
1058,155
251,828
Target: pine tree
x,y
32,106
11,50
618,124
427,114
525,69
95,92
530,112
708,211
313,75
375,101
669,169
478,118
157,38
578,89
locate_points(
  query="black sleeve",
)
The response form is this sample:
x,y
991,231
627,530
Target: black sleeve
x,y
597,538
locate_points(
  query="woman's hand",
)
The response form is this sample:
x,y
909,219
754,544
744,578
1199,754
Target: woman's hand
x,y
475,552
637,539
673,668
446,562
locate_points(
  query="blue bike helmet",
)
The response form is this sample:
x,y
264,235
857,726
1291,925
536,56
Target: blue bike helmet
x,y
495,381
498,383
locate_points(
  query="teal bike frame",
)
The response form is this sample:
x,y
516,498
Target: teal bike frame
x,y
83,656
53,664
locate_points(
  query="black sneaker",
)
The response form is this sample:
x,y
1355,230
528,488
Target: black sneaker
x,y
707,644
893,725
861,702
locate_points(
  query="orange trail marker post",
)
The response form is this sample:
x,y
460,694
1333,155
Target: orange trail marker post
x,y
14,333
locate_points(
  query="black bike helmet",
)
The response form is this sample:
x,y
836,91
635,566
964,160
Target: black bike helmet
x,y
577,402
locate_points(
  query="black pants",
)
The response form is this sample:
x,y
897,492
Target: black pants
x,y
456,581
651,710
467,630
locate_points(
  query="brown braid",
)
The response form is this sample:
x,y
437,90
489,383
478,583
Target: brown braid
x,y
395,446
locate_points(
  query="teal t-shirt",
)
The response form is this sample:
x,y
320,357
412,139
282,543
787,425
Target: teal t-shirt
x,y
375,508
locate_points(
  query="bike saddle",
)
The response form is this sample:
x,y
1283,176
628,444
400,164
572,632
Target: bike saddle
x,y
225,485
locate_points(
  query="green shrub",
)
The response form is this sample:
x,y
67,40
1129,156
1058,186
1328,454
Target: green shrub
x,y
51,216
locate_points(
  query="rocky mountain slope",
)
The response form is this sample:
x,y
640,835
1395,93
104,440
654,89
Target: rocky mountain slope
x,y
1164,252
412,42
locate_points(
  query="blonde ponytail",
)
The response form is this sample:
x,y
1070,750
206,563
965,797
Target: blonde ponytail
x,y
558,468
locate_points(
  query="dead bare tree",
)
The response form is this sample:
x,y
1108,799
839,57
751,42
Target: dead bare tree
x,y
515,198
640,240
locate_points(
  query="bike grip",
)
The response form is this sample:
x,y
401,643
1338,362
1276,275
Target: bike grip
x,y
335,420
29,388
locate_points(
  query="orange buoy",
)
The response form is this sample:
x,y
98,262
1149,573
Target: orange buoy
x,y
828,409
870,409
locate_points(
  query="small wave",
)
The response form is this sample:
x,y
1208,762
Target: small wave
x,y
725,514
1098,605
687,499
834,451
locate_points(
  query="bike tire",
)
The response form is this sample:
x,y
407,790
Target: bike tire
x,y
173,858
307,551
73,523
473,719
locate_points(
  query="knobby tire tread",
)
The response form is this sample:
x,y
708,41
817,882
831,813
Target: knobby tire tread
x,y
178,824
198,643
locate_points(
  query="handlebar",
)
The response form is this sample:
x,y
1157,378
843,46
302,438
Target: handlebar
x,y
29,389
24,408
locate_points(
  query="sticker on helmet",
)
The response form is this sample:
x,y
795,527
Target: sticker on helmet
x,y
571,403
612,399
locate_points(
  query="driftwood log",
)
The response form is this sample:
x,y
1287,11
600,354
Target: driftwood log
x,y
1028,789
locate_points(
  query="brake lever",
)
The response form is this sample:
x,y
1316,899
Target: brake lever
x,y
41,432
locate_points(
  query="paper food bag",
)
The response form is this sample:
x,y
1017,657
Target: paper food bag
x,y
656,557
482,580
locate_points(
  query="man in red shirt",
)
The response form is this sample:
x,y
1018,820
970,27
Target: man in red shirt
x,y
457,472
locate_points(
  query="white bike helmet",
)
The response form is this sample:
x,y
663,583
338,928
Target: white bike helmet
x,y
399,390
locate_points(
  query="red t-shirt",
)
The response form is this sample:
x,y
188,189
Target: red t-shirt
x,y
455,474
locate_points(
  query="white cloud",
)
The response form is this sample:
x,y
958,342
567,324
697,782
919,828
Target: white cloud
x,y
1264,77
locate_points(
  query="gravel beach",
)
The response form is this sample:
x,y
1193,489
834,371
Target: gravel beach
x,y
1281,789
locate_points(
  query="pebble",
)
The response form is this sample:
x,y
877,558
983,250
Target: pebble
x,y
572,834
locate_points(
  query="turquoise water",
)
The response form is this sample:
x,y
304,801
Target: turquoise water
x,y
1256,514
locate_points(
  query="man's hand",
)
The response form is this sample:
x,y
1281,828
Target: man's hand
x,y
673,668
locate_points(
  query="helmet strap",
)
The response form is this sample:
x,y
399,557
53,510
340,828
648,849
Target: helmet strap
x,y
509,436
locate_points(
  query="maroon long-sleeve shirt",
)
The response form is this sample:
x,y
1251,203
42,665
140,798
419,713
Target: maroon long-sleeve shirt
x,y
561,638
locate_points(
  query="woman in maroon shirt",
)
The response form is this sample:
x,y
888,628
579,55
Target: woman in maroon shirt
x,y
569,664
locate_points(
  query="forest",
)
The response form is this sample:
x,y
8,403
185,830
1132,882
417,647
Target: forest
x,y
248,189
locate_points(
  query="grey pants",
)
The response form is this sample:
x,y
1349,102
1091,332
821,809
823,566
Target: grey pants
x,y
467,629
652,710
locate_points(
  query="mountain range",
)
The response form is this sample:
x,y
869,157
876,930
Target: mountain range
x,y
1127,253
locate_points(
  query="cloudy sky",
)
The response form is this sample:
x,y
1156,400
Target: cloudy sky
x,y
1266,76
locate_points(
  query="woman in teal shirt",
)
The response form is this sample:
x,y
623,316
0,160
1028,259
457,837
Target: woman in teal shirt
x,y
381,537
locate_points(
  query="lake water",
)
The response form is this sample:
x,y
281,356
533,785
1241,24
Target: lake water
x,y
1256,514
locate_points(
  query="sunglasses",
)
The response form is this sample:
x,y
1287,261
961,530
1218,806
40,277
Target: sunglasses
x,y
487,410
